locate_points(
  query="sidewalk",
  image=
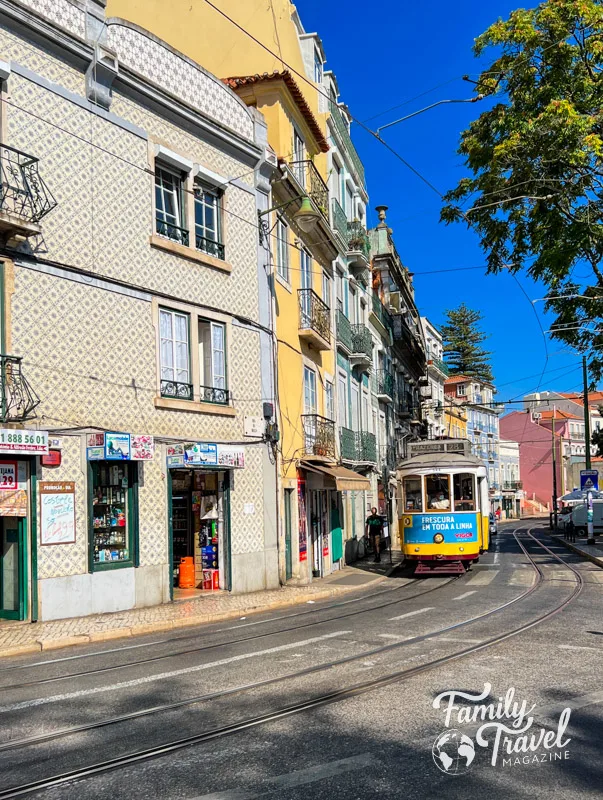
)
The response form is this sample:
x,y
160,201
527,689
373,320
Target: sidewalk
x,y
18,638
592,552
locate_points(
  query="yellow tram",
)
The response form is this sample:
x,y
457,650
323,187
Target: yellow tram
x,y
444,506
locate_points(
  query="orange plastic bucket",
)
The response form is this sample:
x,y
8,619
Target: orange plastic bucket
x,y
186,573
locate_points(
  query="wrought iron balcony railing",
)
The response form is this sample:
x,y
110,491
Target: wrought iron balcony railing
x,y
213,394
358,240
438,364
382,314
319,436
344,134
314,314
18,399
311,181
23,191
512,486
340,221
347,440
362,341
172,232
177,390
384,383
209,246
367,447
344,331
358,446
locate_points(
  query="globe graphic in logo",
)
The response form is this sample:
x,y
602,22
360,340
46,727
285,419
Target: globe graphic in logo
x,y
453,752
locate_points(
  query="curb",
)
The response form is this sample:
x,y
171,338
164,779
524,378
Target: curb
x,y
168,625
587,556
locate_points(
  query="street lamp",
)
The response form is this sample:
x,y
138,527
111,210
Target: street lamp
x,y
306,216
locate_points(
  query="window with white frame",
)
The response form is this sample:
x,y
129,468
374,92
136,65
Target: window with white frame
x,y
342,398
299,156
174,354
461,390
212,362
317,67
349,203
309,391
170,219
208,221
326,289
329,400
282,249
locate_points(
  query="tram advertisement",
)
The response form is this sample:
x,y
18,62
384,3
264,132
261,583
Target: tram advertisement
x,y
454,527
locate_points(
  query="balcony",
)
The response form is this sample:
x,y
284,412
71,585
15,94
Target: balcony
x,y
355,340
213,394
348,146
310,179
358,447
340,222
209,246
491,455
381,316
24,196
176,390
319,436
359,249
314,320
384,386
172,232
18,399
512,486
438,364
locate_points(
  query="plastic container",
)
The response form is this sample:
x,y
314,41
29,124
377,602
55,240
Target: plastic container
x,y
186,573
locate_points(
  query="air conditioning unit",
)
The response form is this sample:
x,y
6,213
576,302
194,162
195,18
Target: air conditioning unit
x,y
394,301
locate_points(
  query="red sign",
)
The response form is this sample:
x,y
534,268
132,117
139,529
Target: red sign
x,y
53,459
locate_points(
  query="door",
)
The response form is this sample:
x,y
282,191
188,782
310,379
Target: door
x,y
288,555
336,532
305,263
13,568
181,528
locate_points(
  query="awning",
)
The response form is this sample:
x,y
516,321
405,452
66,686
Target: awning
x,y
345,479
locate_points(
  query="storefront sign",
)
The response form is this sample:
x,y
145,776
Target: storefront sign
x,y
142,448
175,450
175,461
96,440
23,442
13,501
8,476
201,454
95,453
53,459
57,512
117,446
231,456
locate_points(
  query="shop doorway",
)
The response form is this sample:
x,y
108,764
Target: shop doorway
x,y
200,535
13,561
319,527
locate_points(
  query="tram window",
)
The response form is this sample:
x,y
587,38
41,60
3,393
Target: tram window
x,y
464,492
413,500
438,492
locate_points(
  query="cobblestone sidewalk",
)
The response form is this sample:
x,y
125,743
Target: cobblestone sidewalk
x,y
18,638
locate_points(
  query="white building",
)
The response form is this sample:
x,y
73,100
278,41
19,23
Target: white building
x,y
437,372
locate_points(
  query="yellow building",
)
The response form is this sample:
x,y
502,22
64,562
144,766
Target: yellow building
x,y
298,254
455,418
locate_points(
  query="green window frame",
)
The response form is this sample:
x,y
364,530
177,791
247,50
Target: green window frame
x,y
132,518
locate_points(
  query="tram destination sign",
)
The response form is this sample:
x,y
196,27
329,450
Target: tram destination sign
x,y
18,441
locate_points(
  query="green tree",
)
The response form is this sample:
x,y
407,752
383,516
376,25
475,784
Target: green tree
x,y
462,344
535,195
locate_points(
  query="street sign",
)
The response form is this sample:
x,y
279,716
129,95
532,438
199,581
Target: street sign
x,y
589,480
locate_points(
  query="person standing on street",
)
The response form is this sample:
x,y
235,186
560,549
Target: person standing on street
x,y
374,529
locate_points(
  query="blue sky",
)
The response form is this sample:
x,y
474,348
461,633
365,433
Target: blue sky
x,y
385,54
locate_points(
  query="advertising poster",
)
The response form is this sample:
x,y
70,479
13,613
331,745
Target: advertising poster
x,y
231,456
117,446
142,448
96,440
201,454
23,442
8,476
303,523
57,512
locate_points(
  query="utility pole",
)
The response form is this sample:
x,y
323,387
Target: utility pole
x,y
554,470
589,496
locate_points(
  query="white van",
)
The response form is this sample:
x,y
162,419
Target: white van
x,y
580,517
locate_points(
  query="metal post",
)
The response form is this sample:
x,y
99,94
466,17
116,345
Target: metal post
x,y
554,471
590,526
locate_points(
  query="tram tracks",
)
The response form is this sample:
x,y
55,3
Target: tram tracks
x,y
315,702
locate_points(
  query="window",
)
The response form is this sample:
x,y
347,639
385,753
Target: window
x,y
342,399
349,203
339,291
464,492
174,354
113,499
329,400
337,182
317,67
282,248
326,289
169,206
461,390
212,362
437,489
299,155
413,499
208,223
309,391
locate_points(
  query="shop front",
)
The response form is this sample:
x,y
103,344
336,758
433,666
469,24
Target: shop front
x,y
19,449
199,501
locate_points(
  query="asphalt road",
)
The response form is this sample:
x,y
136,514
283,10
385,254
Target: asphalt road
x,y
374,742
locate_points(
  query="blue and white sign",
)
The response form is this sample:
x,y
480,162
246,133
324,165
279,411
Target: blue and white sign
x,y
589,480
117,446
201,454
421,528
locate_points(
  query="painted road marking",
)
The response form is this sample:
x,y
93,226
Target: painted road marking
x,y
521,578
302,777
467,594
483,578
41,701
578,647
411,614
454,639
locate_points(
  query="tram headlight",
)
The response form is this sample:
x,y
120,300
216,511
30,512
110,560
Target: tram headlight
x,y
461,549
438,538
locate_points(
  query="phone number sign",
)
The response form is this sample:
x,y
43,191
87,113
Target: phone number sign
x,y
23,442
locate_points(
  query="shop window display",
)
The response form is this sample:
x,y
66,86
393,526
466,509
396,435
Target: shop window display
x,y
113,513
